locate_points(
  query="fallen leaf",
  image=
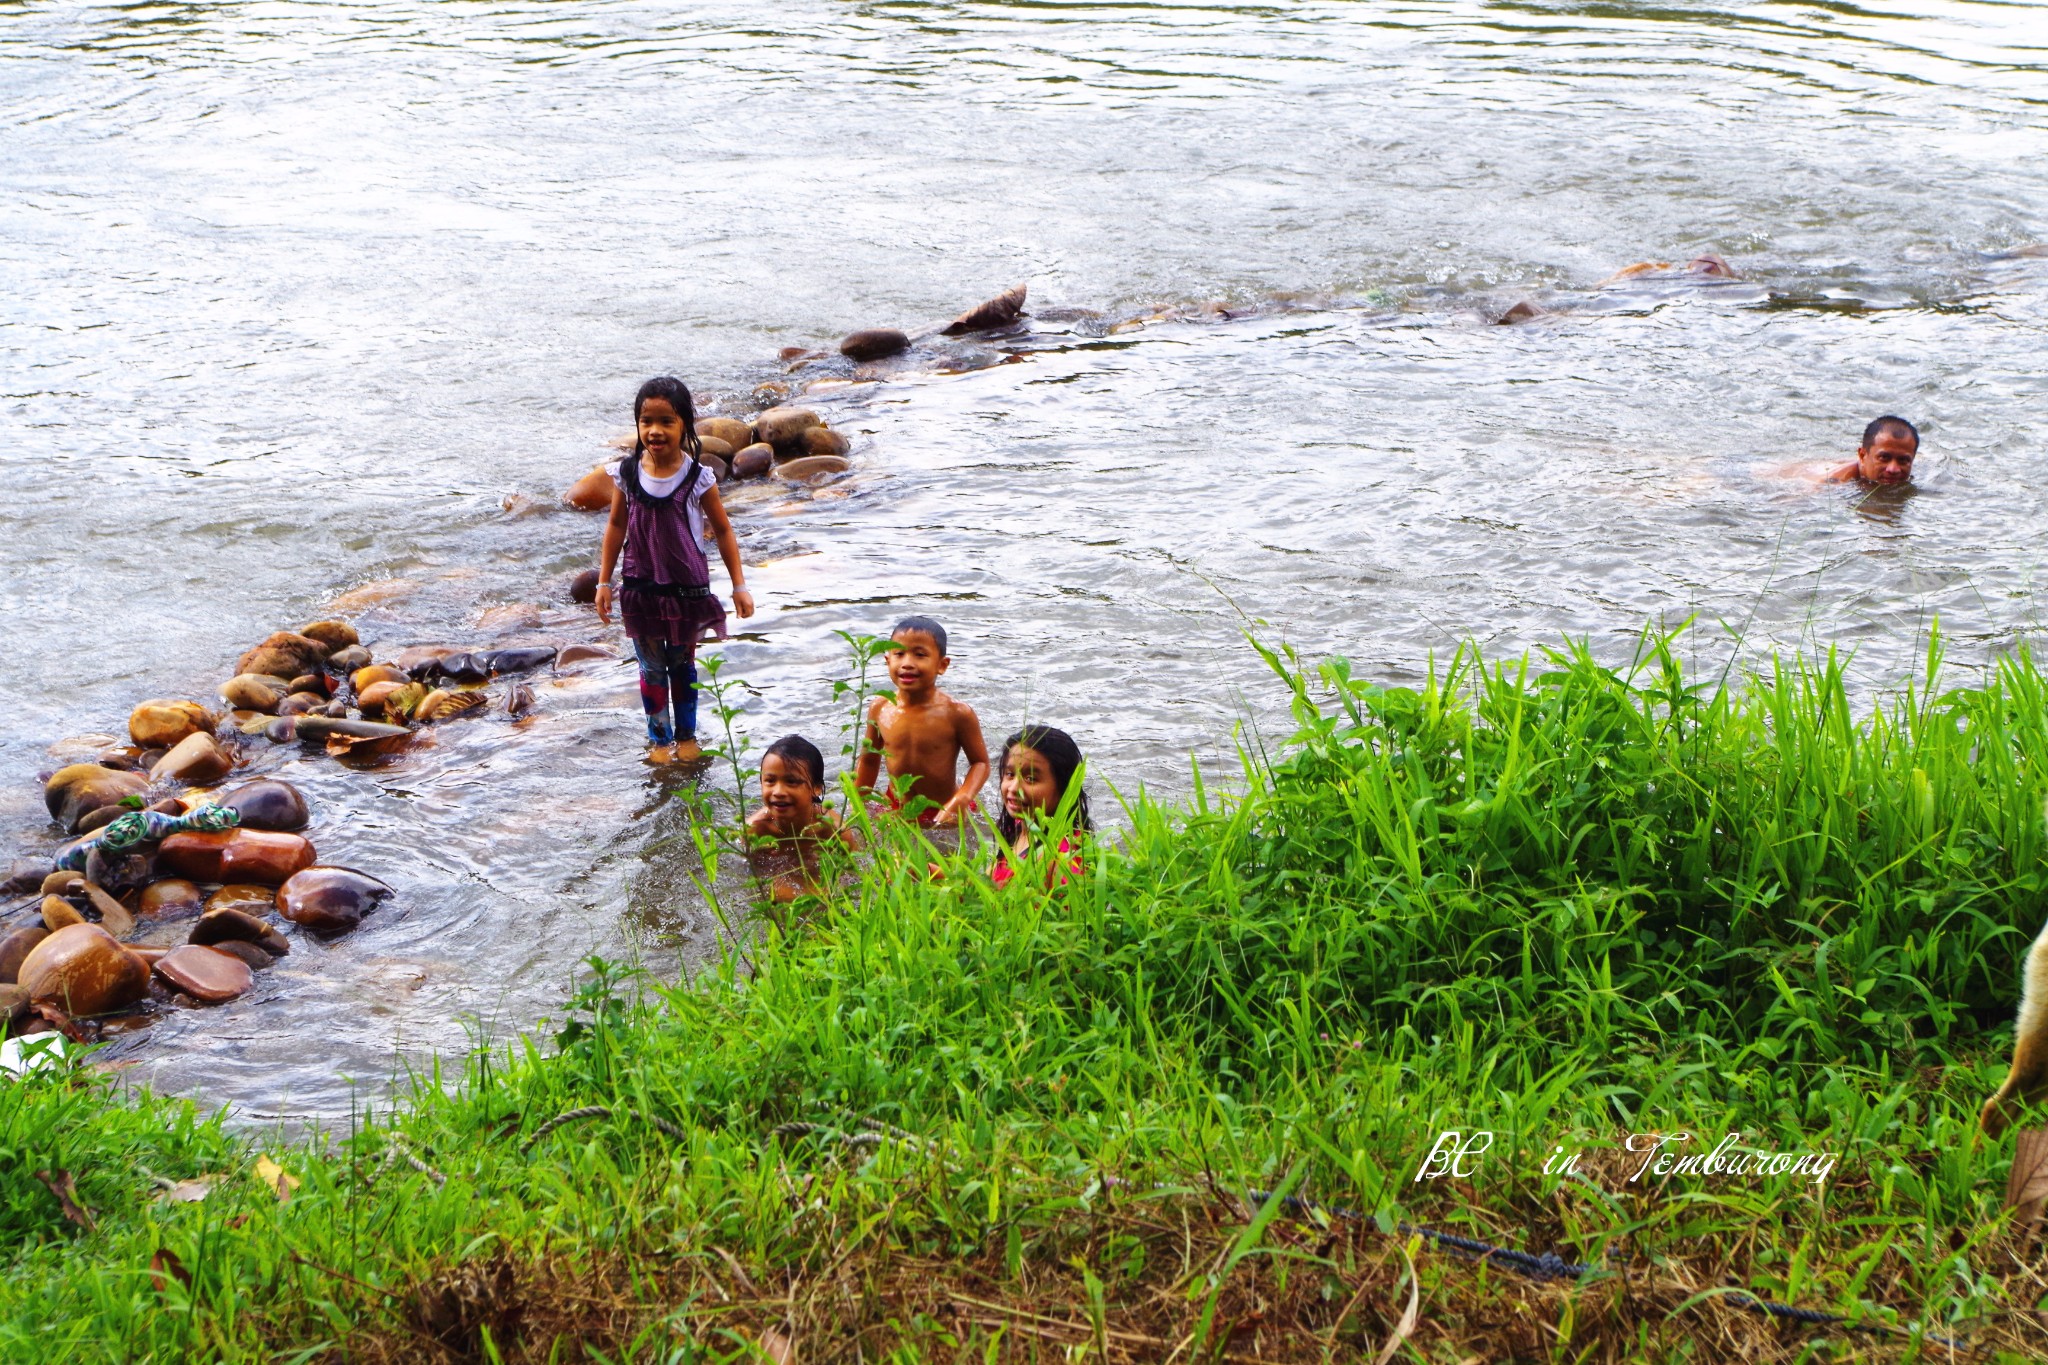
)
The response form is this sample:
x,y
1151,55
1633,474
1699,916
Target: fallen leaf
x,y
164,1263
276,1177
777,1346
1405,1328
2026,1189
66,1190
187,1191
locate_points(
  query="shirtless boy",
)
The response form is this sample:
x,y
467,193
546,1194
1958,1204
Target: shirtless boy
x,y
1886,455
787,835
923,733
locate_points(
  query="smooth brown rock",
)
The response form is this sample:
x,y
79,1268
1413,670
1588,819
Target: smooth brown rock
x,y
236,855
343,662
812,468
282,729
753,461
59,913
247,897
173,896
255,692
365,678
114,916
592,492
244,952
62,883
13,1004
718,467
78,789
22,875
1000,311
576,654
583,587
222,925
315,683
212,978
784,428
332,634
825,441
284,655
15,945
268,803
735,433
99,819
711,445
161,724
371,698
874,343
299,703
196,760
82,970
329,900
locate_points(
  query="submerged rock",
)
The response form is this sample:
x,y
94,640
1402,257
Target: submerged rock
x,y
172,897
250,898
268,803
753,461
576,654
329,900
220,926
208,976
874,343
82,970
162,724
302,703
236,855
825,441
249,954
77,790
521,659
812,468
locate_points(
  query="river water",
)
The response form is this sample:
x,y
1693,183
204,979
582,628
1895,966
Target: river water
x,y
297,295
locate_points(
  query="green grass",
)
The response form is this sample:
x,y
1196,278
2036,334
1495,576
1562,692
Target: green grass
x,y
1552,900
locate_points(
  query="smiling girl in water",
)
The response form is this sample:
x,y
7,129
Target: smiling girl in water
x,y
1037,767
662,507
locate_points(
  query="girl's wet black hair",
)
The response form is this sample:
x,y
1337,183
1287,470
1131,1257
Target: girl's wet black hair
x,y
678,395
797,749
1058,749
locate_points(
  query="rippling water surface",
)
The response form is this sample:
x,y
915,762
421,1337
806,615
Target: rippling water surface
x,y
295,295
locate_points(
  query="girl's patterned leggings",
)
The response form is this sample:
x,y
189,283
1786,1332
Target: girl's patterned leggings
x,y
668,673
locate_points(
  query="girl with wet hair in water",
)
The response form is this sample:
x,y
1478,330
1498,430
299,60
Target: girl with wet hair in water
x,y
664,505
1038,768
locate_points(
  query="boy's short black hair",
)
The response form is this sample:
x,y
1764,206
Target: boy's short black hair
x,y
797,749
1881,425
925,624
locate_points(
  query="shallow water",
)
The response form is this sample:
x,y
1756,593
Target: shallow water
x,y
298,294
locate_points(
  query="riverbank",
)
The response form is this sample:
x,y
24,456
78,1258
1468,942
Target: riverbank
x,y
1551,903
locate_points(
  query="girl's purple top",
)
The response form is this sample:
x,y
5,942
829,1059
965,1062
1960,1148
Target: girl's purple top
x,y
665,581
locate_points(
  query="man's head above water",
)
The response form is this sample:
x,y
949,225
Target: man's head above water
x,y
1886,455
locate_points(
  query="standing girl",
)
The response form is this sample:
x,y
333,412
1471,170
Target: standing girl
x,y
662,506
1038,765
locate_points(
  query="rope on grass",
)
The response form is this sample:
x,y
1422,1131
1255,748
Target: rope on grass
x,y
599,1111
878,1133
1550,1266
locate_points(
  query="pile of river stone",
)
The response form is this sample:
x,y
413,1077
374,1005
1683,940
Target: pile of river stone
x,y
793,444
191,918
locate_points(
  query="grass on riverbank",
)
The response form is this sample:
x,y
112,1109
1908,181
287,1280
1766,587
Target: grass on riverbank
x,y
1550,901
